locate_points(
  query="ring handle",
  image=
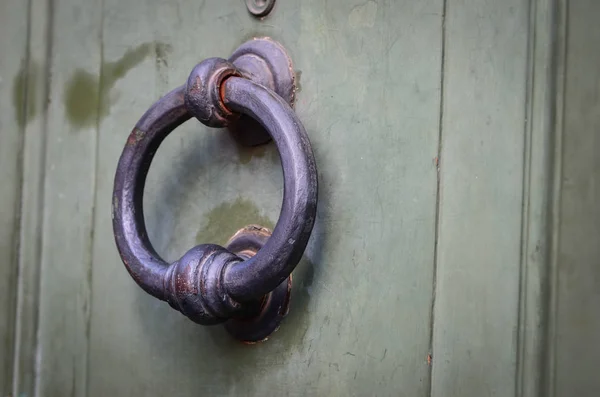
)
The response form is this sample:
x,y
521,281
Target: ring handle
x,y
210,284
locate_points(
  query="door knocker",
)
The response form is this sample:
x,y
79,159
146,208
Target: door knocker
x,y
246,284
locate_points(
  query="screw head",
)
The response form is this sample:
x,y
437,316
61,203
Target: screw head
x,y
260,8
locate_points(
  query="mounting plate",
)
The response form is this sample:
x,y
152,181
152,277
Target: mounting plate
x,y
273,307
266,62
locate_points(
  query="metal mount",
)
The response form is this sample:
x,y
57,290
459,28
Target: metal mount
x,y
265,62
274,306
260,8
246,284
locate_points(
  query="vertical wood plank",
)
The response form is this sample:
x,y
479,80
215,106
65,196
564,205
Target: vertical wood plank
x,y
360,317
32,203
577,351
14,112
69,184
540,142
479,235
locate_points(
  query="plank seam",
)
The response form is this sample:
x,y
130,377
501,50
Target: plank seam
x,y
17,299
43,180
533,351
438,200
526,200
560,59
90,259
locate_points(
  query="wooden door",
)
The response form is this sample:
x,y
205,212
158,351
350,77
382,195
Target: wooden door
x,y
454,252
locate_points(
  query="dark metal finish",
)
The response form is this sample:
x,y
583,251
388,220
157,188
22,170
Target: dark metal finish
x,y
203,92
260,8
273,307
265,62
211,284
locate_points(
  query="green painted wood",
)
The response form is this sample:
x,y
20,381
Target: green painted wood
x,y
481,198
460,267
32,173
69,194
32,199
368,111
14,78
538,184
577,326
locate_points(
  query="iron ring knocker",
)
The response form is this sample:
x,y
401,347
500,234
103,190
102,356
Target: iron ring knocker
x,y
246,285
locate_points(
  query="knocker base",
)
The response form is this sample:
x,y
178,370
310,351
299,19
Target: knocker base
x,y
273,307
267,63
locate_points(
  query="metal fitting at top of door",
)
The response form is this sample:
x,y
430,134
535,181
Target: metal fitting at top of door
x,y
260,8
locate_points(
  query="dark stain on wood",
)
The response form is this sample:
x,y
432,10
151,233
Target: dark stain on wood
x,y
87,96
227,218
24,92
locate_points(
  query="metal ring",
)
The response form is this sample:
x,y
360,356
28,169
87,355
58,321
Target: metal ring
x,y
209,284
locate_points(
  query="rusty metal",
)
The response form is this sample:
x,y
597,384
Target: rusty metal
x,y
265,62
211,284
260,8
274,306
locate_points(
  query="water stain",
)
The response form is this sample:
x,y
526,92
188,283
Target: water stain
x,y
162,51
24,92
86,96
81,98
227,218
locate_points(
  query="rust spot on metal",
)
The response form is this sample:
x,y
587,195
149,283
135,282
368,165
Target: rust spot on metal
x,y
293,75
202,285
285,307
221,85
197,85
136,136
222,91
